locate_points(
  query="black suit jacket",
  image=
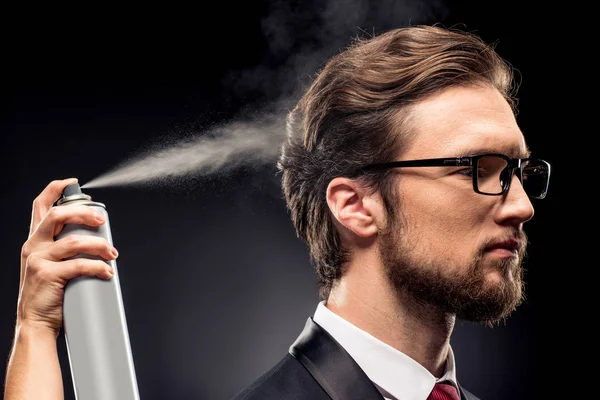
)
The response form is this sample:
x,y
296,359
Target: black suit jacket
x,y
316,368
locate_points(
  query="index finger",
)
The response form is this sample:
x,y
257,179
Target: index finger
x,y
46,199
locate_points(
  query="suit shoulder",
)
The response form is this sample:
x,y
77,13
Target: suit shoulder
x,y
287,379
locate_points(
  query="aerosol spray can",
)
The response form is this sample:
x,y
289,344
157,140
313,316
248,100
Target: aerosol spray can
x,y
94,321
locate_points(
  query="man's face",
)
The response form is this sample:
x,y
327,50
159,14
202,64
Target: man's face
x,y
450,247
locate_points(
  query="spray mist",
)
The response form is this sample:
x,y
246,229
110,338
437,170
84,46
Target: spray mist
x,y
94,321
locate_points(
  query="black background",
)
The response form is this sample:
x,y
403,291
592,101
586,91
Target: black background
x,y
216,285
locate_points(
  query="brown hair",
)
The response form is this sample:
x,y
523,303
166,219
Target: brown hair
x,y
345,119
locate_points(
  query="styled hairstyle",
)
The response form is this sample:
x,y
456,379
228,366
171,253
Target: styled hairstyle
x,y
355,113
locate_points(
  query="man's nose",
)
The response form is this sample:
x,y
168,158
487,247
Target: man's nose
x,y
517,206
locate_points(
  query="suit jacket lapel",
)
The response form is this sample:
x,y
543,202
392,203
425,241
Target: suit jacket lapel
x,y
465,395
331,366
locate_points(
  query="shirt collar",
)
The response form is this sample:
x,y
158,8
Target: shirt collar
x,y
394,373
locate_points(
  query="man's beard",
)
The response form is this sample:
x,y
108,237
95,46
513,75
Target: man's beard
x,y
467,293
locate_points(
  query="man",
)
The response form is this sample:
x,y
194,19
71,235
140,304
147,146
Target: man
x,y
406,174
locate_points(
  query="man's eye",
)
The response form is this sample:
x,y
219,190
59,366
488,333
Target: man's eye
x,y
466,172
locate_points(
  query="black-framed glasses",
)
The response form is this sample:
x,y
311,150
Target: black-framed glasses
x,y
491,173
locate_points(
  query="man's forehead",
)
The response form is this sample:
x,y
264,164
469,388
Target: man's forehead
x,y
464,121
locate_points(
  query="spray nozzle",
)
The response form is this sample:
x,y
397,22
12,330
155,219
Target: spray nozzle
x,y
72,192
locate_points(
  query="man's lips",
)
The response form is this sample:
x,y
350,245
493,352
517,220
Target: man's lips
x,y
505,247
512,245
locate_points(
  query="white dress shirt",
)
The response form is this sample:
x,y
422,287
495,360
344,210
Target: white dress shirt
x,y
396,375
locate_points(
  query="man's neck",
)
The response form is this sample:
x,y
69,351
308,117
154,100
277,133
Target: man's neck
x,y
373,306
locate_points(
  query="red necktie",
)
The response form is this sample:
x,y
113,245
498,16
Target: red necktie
x,y
444,391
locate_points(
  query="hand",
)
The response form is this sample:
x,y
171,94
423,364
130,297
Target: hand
x,y
44,270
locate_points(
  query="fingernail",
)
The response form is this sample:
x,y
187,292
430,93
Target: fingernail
x,y
115,252
99,217
111,271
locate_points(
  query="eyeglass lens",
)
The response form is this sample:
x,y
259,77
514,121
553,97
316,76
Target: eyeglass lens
x,y
493,175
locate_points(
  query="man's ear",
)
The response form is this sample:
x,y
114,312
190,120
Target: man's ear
x,y
354,207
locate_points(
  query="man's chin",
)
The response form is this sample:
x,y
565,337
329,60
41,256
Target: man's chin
x,y
498,299
496,277
504,270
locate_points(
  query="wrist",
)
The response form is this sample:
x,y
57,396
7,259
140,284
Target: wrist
x,y
33,330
